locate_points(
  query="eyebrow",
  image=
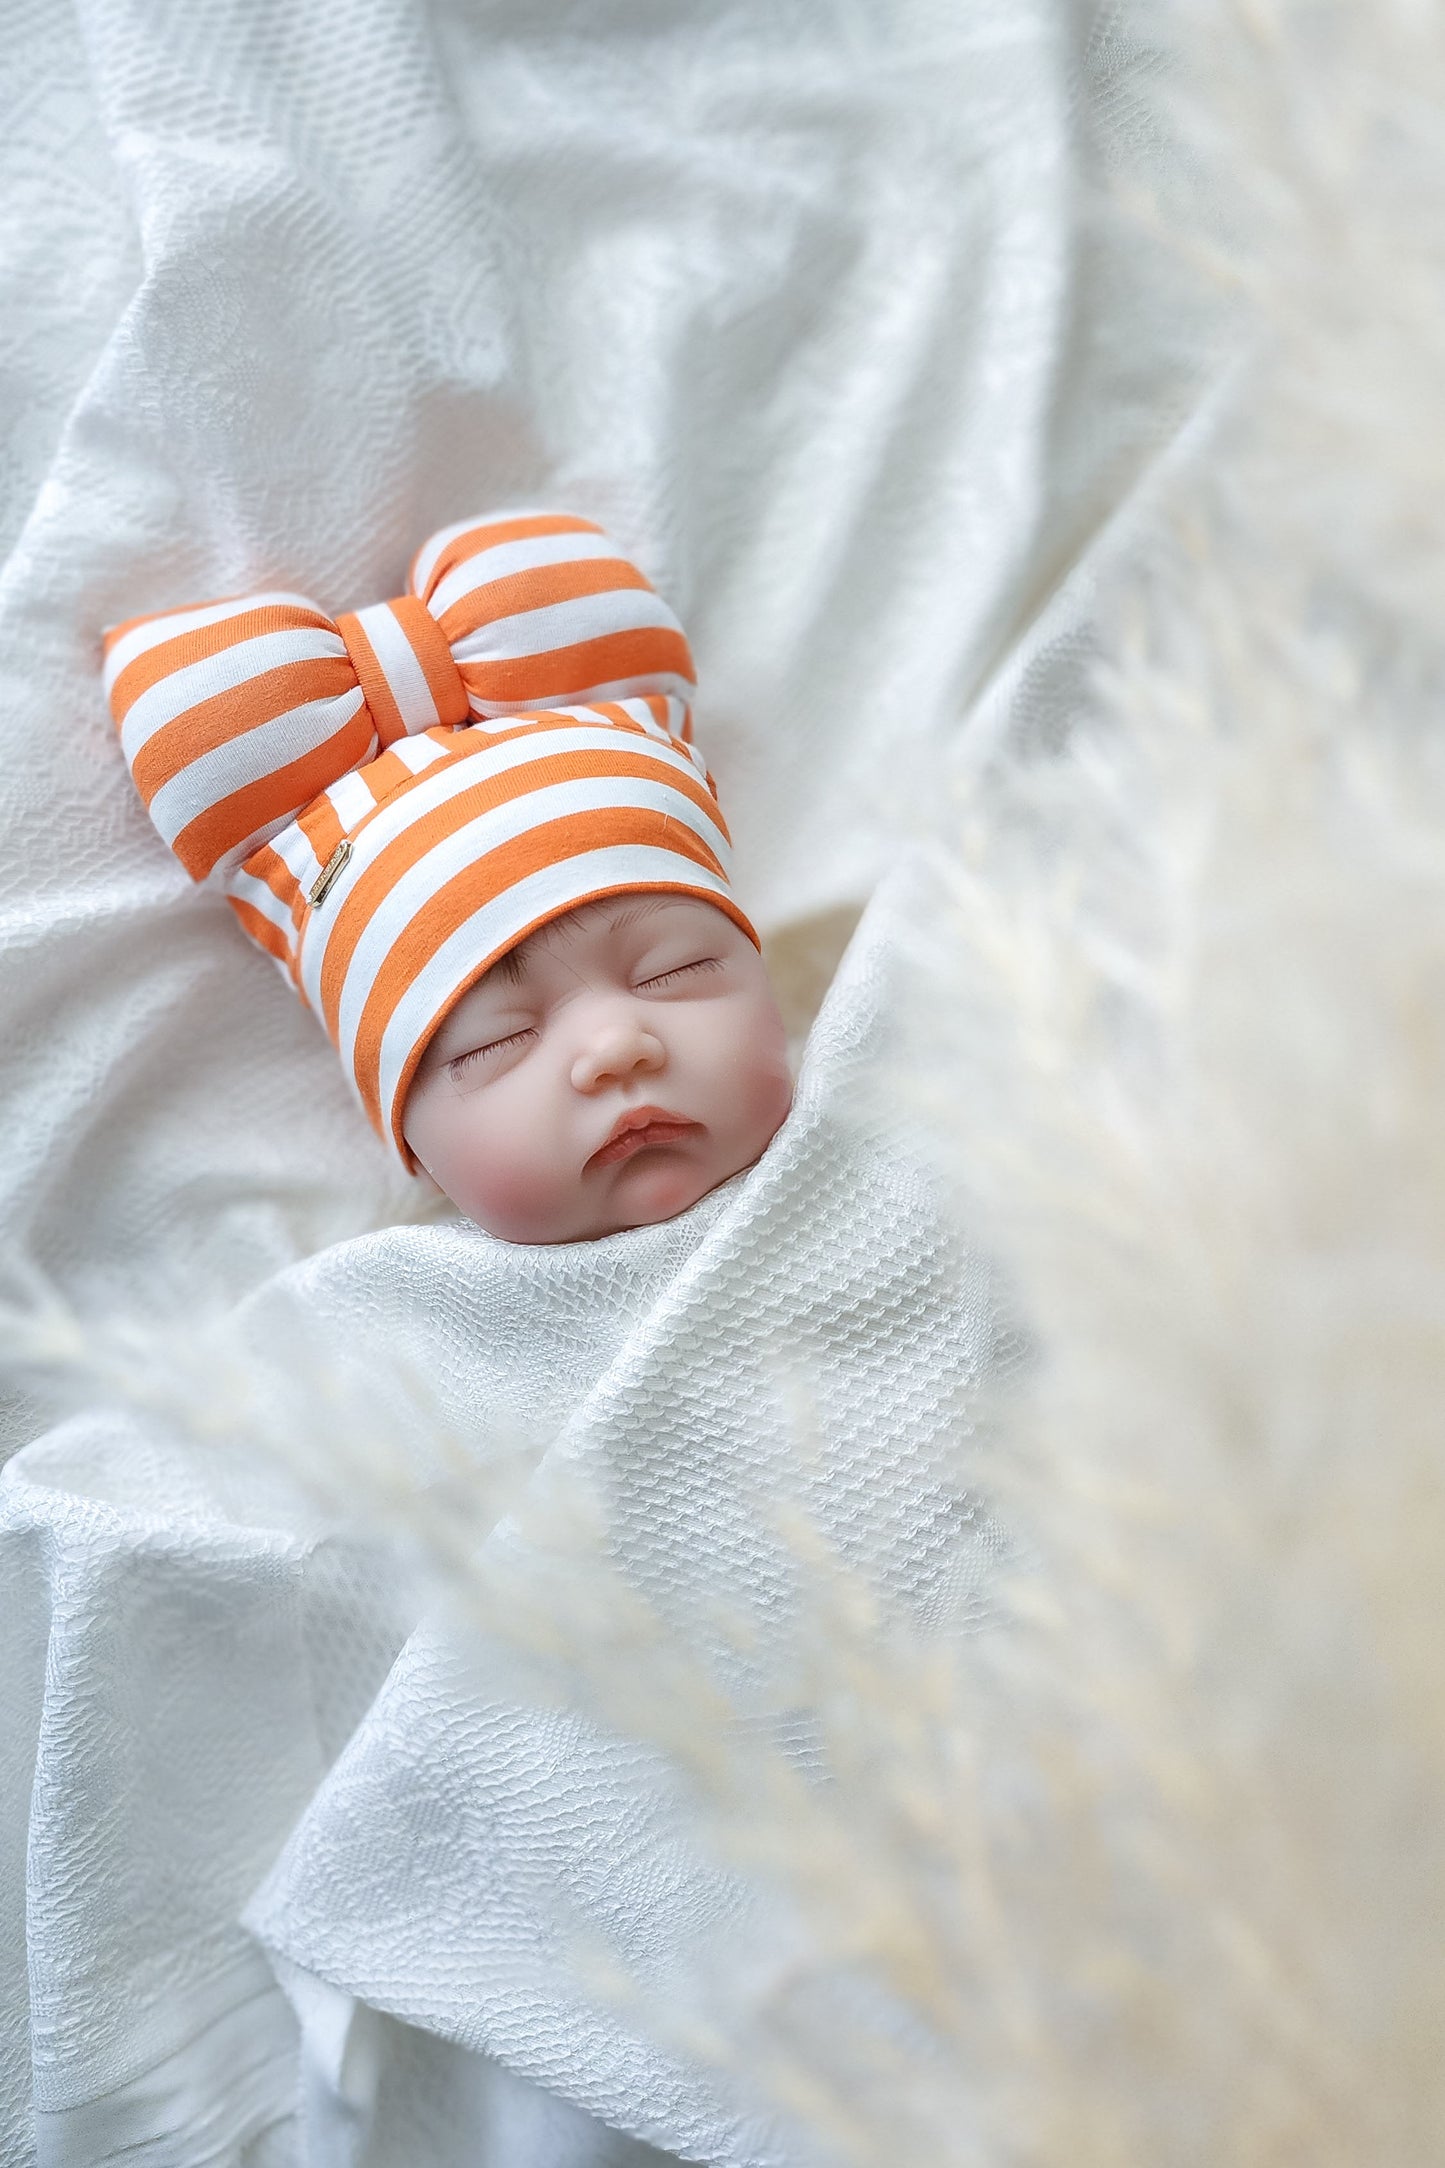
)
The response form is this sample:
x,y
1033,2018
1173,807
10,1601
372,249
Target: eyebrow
x,y
644,907
514,965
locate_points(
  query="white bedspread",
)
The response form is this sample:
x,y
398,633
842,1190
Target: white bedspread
x,y
796,299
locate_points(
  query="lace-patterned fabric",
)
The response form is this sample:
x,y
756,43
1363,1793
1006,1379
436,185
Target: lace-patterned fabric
x,y
796,303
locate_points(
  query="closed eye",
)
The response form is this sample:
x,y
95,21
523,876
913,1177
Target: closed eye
x,y
682,971
478,1054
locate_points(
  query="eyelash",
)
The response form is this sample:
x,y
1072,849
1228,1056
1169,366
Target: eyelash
x,y
463,1062
702,963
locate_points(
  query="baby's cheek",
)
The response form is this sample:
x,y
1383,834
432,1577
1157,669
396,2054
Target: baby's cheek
x,y
484,1152
513,1192
765,1083
773,1089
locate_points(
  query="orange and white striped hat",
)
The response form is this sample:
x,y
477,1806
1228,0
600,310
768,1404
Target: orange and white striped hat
x,y
394,799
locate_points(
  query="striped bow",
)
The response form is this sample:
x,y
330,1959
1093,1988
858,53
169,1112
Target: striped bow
x,y
234,715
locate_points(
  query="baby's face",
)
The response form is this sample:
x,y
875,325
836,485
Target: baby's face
x,y
611,1071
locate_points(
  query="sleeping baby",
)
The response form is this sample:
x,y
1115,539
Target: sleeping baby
x,y
472,828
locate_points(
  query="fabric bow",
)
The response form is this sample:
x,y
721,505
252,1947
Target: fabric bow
x,y
234,715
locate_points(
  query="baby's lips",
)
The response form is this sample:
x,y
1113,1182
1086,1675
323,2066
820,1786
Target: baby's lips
x,y
639,1130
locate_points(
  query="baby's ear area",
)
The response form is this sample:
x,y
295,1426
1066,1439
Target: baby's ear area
x,y
432,1207
431,1200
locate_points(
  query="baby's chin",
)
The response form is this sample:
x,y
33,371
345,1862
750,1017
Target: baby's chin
x,y
656,1186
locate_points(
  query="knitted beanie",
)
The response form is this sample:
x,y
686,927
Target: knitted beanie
x,y
393,799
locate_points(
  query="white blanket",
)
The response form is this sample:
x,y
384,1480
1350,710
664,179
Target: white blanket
x,y
799,303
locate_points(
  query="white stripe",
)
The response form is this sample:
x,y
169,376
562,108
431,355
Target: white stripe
x,y
141,638
552,890
500,712
395,815
224,870
646,721
170,696
255,753
434,545
409,896
669,732
248,889
419,753
566,624
351,801
405,678
644,718
501,560
298,854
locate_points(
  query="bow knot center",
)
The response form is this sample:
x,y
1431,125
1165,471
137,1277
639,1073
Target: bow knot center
x,y
408,676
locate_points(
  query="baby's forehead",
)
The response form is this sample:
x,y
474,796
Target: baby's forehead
x,y
626,917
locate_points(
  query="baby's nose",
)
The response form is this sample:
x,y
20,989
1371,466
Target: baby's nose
x,y
615,1052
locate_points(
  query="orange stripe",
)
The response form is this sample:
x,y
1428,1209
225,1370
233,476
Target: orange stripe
x,y
168,656
438,665
321,826
262,932
484,796
538,589
647,652
386,774
118,631
269,866
682,732
487,877
375,691
487,532
271,798
526,722
617,714
210,723
175,609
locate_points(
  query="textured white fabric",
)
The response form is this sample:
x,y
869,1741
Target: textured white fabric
x,y
471,1840
797,302
209,1652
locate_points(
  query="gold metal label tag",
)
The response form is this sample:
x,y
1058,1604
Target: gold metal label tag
x,y
331,872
